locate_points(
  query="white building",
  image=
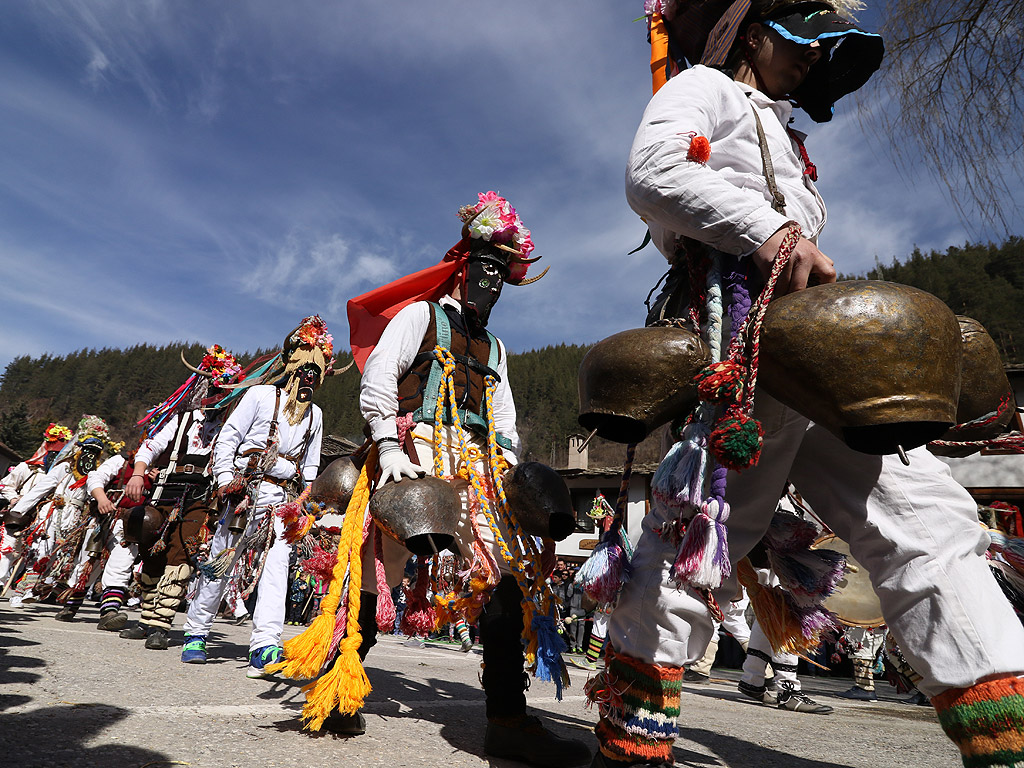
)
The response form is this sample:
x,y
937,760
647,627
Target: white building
x,y
585,483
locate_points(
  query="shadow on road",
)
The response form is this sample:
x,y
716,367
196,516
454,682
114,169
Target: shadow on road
x,y
735,751
56,737
15,667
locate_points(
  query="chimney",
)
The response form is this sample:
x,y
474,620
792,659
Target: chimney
x,y
576,459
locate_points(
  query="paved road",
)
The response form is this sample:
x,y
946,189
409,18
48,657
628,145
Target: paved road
x,y
72,696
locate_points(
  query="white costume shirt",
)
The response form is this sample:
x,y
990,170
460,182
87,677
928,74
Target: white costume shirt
x,y
105,473
201,436
20,480
54,483
393,356
725,203
248,427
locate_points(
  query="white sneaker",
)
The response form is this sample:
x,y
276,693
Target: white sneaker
x,y
16,600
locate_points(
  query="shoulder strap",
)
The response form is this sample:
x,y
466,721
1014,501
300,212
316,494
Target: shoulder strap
x,y
494,355
443,330
778,199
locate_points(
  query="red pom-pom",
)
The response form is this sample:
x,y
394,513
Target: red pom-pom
x,y
736,440
721,382
699,151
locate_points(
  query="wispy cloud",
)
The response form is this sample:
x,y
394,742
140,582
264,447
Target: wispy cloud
x,y
216,171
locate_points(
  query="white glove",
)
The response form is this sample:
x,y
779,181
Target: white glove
x,y
394,464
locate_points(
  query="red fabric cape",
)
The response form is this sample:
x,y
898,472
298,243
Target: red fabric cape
x,y
369,314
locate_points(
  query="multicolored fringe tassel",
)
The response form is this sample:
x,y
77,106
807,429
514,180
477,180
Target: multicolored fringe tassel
x,y
538,599
789,626
639,704
986,721
607,570
721,434
808,575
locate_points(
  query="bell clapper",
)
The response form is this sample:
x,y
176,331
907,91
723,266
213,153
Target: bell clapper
x,y
585,443
433,546
902,455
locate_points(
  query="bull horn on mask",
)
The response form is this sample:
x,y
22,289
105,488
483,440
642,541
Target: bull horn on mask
x,y
339,371
192,368
517,256
528,280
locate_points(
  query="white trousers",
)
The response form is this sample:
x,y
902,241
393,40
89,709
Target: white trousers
x,y
913,527
10,550
271,591
395,556
121,563
755,667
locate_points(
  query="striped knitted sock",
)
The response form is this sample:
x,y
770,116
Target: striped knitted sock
x,y
986,721
462,629
112,600
594,648
639,704
74,601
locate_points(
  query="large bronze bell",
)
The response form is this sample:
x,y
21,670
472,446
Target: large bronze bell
x,y
15,522
635,381
142,525
538,499
985,393
420,513
333,487
876,363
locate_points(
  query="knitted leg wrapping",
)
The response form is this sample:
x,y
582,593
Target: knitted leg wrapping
x,y
74,601
863,674
147,601
166,597
594,647
639,705
112,600
986,721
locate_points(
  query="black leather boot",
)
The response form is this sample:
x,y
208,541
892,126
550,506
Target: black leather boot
x,y
355,724
511,733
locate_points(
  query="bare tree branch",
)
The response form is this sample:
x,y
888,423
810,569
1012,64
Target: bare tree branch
x,y
953,71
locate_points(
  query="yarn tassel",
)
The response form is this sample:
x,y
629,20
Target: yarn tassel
x,y
678,483
215,568
295,521
810,576
386,612
607,569
550,647
788,627
307,653
419,618
703,559
788,533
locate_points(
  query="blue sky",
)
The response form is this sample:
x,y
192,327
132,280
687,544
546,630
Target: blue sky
x,y
216,171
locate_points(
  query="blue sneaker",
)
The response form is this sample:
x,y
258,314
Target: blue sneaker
x,y
261,657
194,651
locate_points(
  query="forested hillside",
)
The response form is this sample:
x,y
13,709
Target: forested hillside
x,y
119,385
984,282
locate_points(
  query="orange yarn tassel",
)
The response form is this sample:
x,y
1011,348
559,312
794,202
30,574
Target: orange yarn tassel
x,y
306,654
659,52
